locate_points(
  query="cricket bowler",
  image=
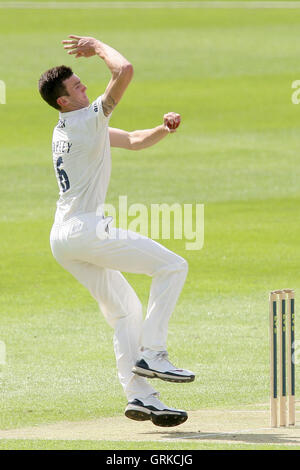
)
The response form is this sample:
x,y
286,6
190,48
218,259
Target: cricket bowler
x,y
84,243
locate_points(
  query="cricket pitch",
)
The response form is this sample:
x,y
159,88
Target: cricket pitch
x,y
249,426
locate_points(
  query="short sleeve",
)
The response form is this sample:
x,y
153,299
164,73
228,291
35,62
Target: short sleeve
x,y
98,109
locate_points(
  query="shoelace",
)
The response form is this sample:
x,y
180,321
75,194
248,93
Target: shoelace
x,y
157,396
163,355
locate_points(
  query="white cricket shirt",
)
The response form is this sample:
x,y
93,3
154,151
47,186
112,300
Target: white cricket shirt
x,y
81,159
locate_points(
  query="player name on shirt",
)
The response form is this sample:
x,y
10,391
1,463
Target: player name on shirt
x,y
61,146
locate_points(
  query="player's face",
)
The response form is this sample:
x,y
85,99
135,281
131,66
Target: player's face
x,y
77,98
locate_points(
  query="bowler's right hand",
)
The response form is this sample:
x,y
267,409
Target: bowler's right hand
x,y
82,46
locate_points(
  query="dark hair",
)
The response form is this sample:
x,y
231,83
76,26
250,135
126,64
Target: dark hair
x,y
51,84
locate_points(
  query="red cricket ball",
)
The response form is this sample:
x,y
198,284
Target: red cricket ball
x,y
173,123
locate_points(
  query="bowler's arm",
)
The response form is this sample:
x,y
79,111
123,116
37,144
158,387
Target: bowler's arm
x,y
141,139
122,73
121,70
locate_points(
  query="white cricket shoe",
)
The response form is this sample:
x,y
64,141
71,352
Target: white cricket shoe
x,y
156,364
151,408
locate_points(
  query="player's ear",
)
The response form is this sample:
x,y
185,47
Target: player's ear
x,y
62,101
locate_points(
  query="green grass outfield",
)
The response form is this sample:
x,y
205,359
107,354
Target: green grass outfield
x,y
229,73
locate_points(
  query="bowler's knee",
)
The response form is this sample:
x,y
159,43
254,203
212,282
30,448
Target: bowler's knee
x,y
182,265
176,265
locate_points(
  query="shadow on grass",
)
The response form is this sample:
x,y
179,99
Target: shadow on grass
x,y
252,438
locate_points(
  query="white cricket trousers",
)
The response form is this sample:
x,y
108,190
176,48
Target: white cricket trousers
x,y
95,258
